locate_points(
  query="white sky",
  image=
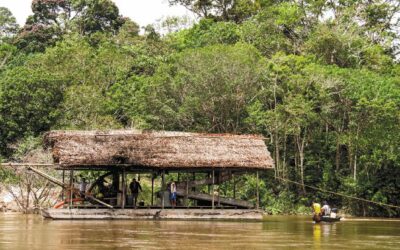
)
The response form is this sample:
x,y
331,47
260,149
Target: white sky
x,y
141,11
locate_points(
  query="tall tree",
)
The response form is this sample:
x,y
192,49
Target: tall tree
x,y
226,10
8,24
96,15
29,99
53,18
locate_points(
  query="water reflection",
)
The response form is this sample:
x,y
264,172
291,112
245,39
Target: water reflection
x,y
32,232
317,236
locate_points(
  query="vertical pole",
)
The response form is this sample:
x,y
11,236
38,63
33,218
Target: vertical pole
x,y
71,187
123,189
219,192
234,186
219,185
187,191
258,193
162,188
152,189
194,187
115,185
208,185
63,188
194,178
212,190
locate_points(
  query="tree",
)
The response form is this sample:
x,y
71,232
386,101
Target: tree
x,y
278,27
30,98
88,16
96,16
52,19
205,33
8,24
129,29
51,12
7,52
37,37
201,90
224,10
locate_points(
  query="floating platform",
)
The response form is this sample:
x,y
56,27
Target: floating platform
x,y
153,214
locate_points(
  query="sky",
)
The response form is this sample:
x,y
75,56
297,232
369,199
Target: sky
x,y
141,11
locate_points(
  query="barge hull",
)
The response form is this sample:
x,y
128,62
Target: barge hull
x,y
153,214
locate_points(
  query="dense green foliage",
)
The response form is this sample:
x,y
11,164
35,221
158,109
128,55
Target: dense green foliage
x,y
320,79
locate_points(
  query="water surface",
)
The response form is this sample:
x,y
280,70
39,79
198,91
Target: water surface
x,y
33,232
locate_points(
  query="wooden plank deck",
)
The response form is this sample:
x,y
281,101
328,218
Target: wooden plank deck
x,y
222,200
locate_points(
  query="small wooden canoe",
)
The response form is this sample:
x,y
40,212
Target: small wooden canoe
x,y
329,219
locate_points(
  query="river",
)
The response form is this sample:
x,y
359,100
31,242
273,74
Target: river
x,y
277,232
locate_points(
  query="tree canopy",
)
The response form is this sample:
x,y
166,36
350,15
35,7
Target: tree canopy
x,y
8,24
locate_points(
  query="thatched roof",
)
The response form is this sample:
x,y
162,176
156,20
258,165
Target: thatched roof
x,y
157,150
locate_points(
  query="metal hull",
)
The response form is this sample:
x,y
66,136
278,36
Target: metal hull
x,y
329,219
153,214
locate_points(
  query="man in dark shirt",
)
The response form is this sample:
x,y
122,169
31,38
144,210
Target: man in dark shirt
x,y
82,187
134,186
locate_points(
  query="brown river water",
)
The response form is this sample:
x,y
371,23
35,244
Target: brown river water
x,y
277,232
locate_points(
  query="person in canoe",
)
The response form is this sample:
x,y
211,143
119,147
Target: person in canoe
x,y
326,209
326,214
316,208
333,214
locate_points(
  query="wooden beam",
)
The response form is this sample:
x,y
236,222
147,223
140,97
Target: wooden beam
x,y
48,177
123,189
258,193
208,181
194,187
71,187
234,186
208,185
98,201
63,189
223,200
152,189
11,164
212,190
187,191
162,188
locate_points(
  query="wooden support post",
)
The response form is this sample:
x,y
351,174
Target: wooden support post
x,y
152,189
212,190
123,189
219,201
194,187
162,188
63,188
258,193
193,178
71,187
219,191
187,191
208,186
234,186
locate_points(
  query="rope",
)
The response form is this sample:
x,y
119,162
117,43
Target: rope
x,y
340,194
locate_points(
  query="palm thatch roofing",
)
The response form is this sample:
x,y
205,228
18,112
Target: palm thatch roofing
x,y
157,150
